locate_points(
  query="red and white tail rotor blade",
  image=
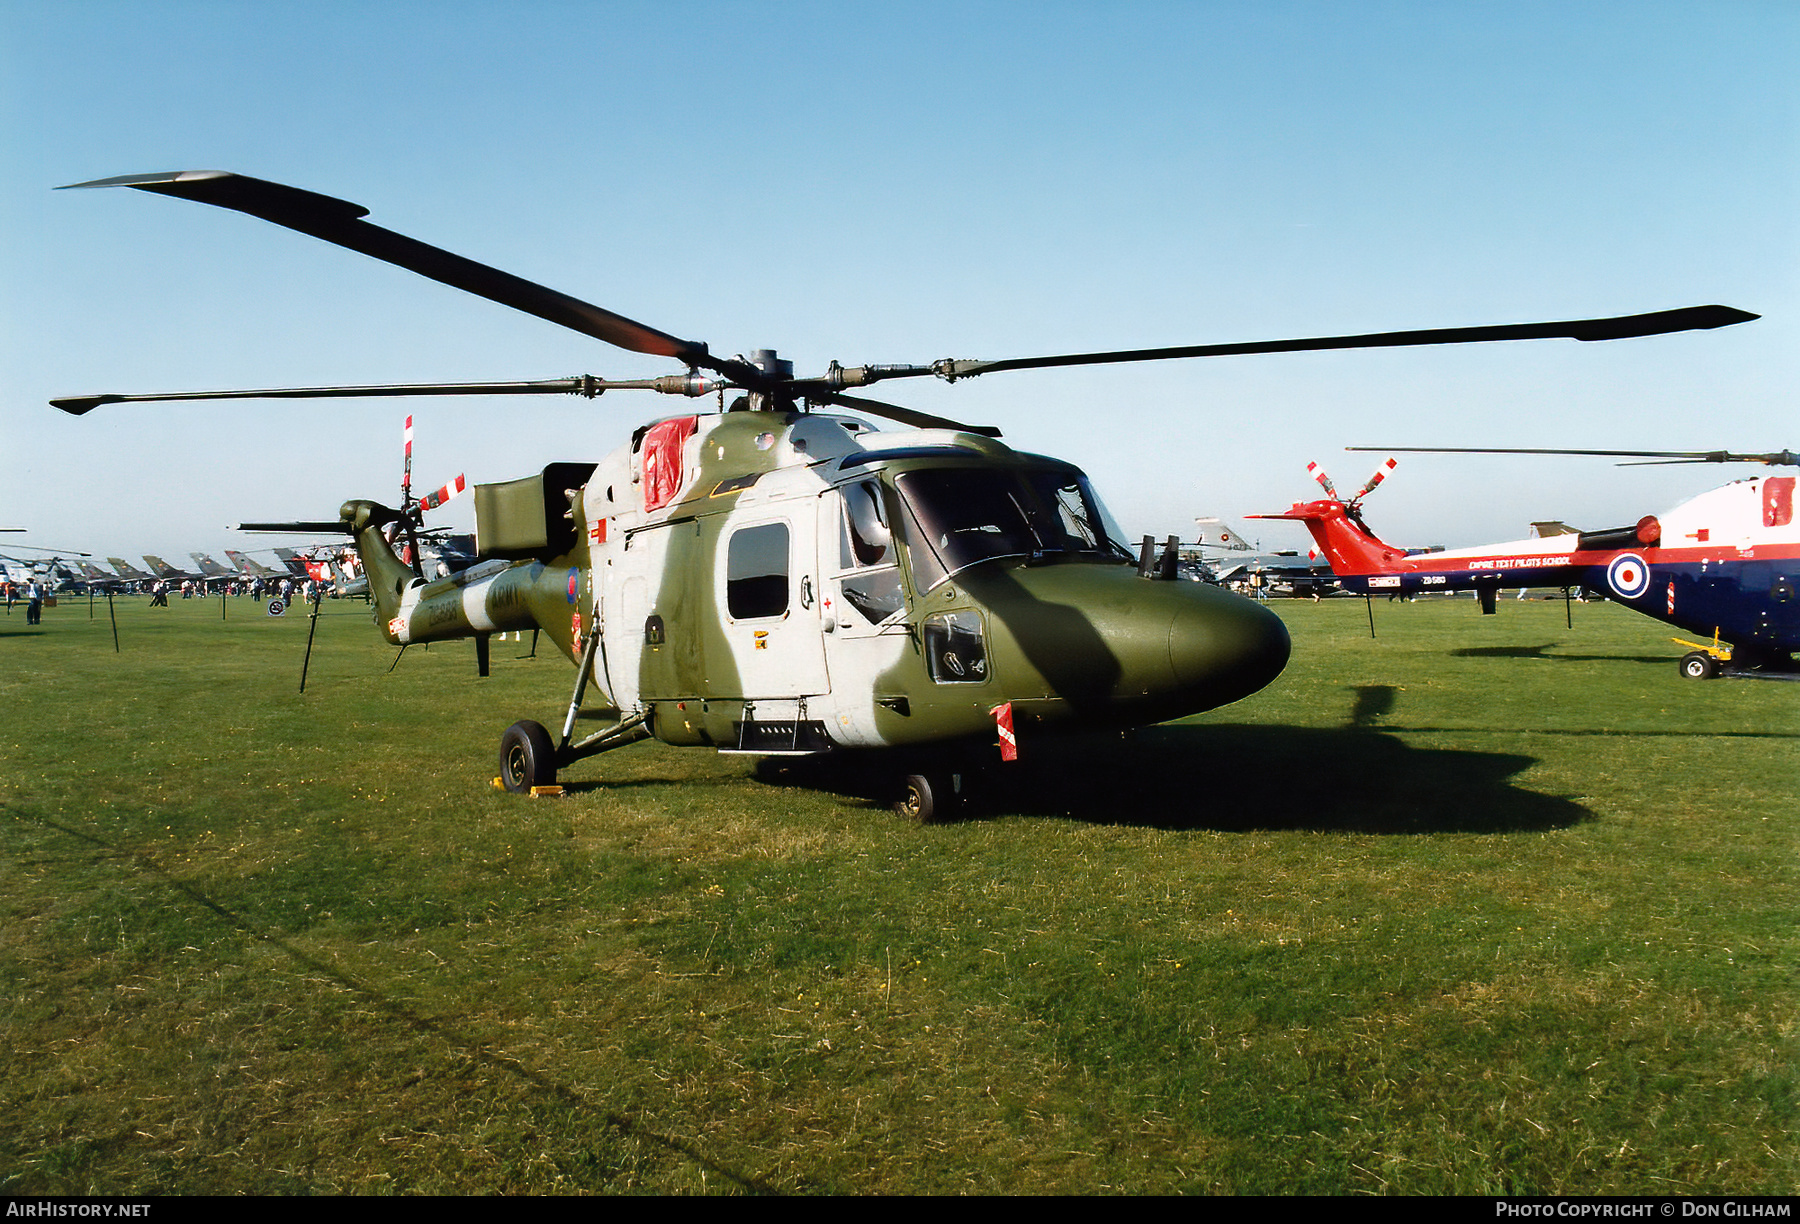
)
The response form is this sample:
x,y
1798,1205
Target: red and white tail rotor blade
x,y
455,487
1318,474
406,473
1381,474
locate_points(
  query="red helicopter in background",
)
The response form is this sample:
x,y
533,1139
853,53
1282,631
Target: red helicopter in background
x,y
1725,563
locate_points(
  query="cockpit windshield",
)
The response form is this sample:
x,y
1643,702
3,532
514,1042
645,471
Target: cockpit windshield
x,y
965,515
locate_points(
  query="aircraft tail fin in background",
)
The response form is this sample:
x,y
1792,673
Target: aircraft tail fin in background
x,y
1211,532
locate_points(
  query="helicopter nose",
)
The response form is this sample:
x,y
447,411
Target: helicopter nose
x,y
1224,647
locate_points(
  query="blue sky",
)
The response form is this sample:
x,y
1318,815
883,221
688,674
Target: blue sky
x,y
897,184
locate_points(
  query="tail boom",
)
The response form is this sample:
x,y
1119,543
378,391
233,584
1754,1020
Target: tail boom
x,y
492,597
1366,564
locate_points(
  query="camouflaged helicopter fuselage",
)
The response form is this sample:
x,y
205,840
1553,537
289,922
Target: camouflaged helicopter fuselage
x,y
769,584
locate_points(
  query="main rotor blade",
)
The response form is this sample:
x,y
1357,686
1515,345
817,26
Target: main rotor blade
x,y
581,384
316,528
40,548
339,221
1656,323
907,416
1775,458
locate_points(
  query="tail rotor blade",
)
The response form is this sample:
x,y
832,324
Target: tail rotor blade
x,y
455,487
406,472
1381,474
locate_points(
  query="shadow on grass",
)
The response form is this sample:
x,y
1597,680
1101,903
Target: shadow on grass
x,y
1236,778
444,1029
1538,652
602,784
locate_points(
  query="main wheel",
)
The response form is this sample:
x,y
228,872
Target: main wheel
x,y
1698,665
926,798
527,758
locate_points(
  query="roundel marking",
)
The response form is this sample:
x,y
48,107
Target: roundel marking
x,y
1628,575
574,582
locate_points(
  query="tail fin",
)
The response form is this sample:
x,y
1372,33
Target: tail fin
x,y
1350,548
389,576
1212,533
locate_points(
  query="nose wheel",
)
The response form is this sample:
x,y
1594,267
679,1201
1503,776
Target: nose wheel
x,y
929,798
527,758
1699,665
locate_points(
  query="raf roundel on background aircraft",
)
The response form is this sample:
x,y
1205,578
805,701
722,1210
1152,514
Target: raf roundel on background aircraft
x,y
1725,563
778,578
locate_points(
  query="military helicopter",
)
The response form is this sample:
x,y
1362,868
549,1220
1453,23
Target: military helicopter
x,y
1724,563
778,579
57,572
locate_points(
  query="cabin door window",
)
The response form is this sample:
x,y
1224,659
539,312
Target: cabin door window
x,y
772,602
756,572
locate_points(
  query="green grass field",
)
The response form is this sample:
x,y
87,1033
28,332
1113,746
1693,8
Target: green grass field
x,y
1483,905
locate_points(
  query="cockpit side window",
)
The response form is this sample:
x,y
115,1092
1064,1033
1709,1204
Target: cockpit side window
x,y
866,538
870,577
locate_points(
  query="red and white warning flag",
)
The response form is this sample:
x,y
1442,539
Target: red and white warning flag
x,y
1009,744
